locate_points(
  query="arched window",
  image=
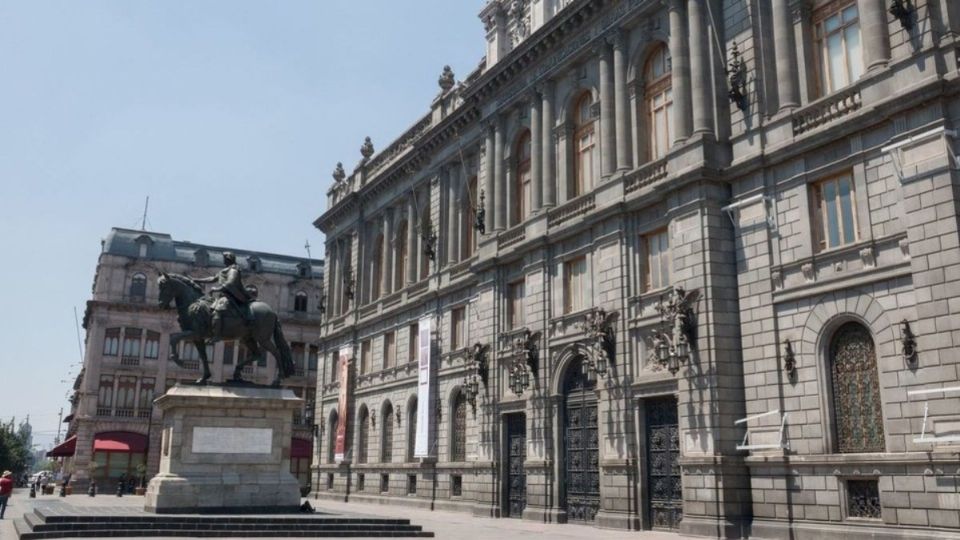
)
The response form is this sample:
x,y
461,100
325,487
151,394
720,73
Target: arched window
x,y
377,270
363,438
458,435
658,102
585,145
411,429
332,434
856,390
300,301
386,437
400,264
469,243
138,288
522,180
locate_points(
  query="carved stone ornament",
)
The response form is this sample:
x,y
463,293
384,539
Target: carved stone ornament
x,y
599,331
447,79
808,272
367,149
338,173
676,335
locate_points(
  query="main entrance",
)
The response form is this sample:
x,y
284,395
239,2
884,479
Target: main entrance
x,y
581,445
516,455
665,499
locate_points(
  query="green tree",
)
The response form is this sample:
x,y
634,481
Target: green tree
x,y
14,449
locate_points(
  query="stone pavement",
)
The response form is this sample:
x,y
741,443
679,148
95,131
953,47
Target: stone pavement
x,y
446,525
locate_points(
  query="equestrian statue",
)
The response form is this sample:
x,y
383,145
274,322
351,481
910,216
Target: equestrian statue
x,y
229,312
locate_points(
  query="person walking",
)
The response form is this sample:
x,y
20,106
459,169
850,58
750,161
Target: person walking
x,y
6,489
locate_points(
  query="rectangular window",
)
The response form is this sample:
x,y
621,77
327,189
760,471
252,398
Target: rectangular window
x,y
384,483
131,342
863,499
834,212
458,325
411,484
312,358
361,480
111,342
574,280
515,315
105,393
839,54
228,352
151,346
126,393
456,485
389,350
145,401
412,345
657,265
299,351
365,357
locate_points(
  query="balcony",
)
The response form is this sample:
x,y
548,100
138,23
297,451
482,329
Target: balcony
x,y
129,360
571,210
645,175
104,411
826,110
124,413
511,237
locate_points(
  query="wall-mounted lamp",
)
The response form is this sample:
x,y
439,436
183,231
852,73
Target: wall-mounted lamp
x,y
524,359
598,326
674,337
480,215
348,282
737,73
397,414
903,11
789,359
429,243
908,343
476,373
373,418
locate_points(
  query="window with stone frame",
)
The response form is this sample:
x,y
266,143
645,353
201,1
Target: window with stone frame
x,y
426,227
365,357
105,395
389,350
131,342
458,435
515,295
411,429
839,55
300,302
401,262
658,102
584,146
458,327
145,399
151,345
855,388
111,342
413,339
332,437
313,356
863,498
657,260
138,288
574,284
363,436
834,212
522,179
126,397
299,352
377,269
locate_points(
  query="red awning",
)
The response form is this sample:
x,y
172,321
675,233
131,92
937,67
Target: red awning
x,y
301,448
64,449
120,441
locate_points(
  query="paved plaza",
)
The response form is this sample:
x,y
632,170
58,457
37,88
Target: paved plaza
x,y
446,525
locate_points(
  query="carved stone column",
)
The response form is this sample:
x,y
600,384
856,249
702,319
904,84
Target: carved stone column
x,y
786,54
411,240
876,38
608,149
549,157
489,175
680,74
386,267
536,153
500,178
701,82
453,237
621,97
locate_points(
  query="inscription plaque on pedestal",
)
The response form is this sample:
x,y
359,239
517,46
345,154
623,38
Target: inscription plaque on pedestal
x,y
230,440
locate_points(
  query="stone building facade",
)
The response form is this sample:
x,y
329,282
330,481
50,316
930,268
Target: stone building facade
x,y
127,346
686,264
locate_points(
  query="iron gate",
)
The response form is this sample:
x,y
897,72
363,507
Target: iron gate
x,y
581,446
516,455
663,469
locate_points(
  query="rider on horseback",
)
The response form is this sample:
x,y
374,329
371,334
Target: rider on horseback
x,y
230,286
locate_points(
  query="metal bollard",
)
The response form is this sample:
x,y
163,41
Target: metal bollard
x,y
119,489
92,491
63,490
33,491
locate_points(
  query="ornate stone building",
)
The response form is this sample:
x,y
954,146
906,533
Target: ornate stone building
x,y
113,423
687,264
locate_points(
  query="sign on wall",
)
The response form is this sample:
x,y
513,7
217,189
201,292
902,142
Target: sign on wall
x,y
340,445
425,403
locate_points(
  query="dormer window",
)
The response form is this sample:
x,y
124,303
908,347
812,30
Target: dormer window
x,y
143,242
300,302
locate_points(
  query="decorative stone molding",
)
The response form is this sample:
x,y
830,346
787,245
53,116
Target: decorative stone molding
x,y
447,79
905,248
776,277
868,257
826,110
808,271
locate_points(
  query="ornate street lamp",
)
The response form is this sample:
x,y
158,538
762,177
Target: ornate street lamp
x,y
429,243
673,338
480,215
903,11
598,327
908,343
738,79
476,373
523,356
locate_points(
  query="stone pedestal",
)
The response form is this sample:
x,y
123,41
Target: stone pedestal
x,y
225,449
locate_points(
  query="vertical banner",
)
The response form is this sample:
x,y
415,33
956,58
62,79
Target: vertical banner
x,y
340,445
425,405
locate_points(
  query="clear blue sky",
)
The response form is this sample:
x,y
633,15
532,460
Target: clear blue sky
x,y
229,114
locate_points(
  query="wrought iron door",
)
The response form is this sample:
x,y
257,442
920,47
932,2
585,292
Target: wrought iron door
x,y
665,491
856,391
581,446
516,455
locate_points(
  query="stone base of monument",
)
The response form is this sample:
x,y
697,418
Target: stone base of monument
x,y
225,450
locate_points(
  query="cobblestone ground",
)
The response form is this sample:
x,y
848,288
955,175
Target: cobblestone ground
x,y
446,525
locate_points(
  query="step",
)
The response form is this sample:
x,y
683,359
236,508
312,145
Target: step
x,y
140,533
224,527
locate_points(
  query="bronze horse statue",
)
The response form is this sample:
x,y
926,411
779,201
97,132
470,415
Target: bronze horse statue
x,y
195,315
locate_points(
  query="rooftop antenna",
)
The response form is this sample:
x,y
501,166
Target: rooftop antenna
x,y
143,223
306,246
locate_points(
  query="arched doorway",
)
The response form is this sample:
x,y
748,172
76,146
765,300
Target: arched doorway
x,y
581,444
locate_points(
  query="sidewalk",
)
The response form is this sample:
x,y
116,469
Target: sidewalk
x,y
445,525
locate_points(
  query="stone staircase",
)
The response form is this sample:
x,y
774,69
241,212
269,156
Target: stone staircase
x,y
48,523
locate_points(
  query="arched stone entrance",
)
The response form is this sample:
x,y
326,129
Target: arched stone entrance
x,y
580,443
